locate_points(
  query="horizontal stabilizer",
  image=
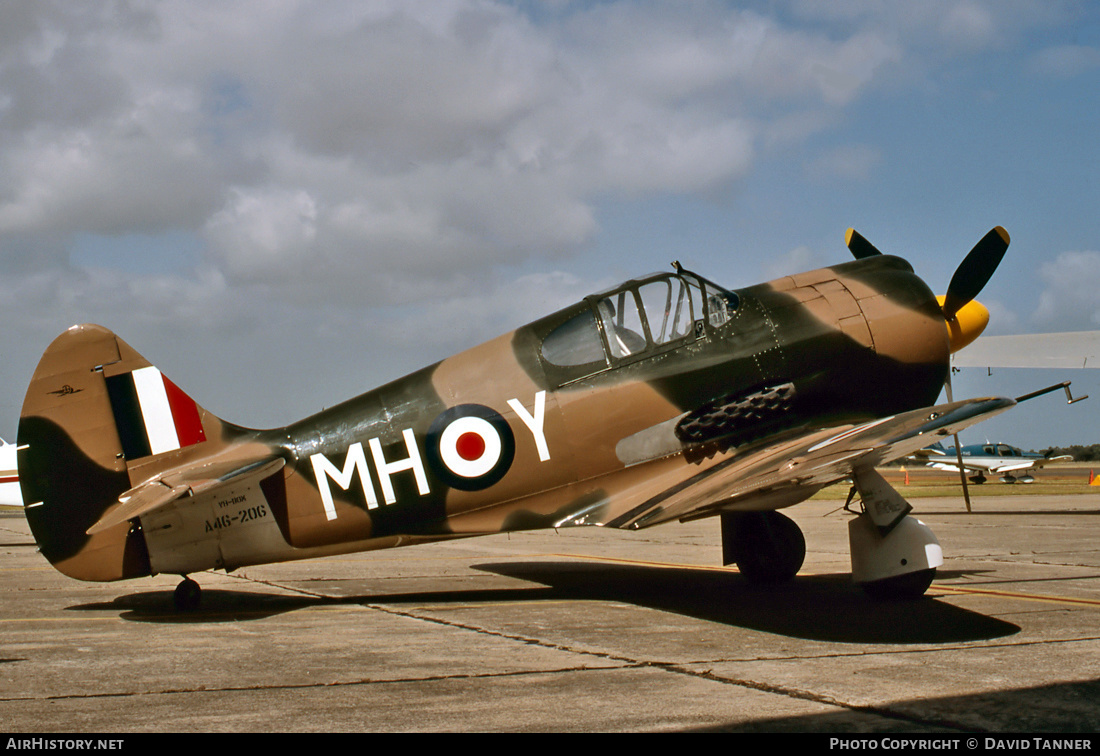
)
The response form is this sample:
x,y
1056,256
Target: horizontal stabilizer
x,y
935,450
178,483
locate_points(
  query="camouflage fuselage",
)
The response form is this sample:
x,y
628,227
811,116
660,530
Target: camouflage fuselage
x,y
857,341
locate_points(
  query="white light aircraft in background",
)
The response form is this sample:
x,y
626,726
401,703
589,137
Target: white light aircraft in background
x,y
10,494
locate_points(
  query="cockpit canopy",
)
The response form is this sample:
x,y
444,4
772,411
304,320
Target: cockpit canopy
x,y
1002,450
639,317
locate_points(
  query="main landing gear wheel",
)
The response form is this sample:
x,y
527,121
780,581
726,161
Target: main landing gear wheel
x,y
187,596
767,547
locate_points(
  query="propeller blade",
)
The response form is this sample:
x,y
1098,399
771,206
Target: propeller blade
x,y
958,447
962,472
975,271
859,247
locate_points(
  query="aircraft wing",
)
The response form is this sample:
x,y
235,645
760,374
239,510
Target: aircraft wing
x,y
1014,465
947,464
989,465
1026,464
929,454
1079,349
995,465
181,482
766,477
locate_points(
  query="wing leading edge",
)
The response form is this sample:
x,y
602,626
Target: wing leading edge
x,y
782,474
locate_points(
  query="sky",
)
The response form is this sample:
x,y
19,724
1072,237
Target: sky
x,y
283,204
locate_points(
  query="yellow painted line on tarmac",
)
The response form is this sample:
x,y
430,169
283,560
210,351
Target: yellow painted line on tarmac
x,y
959,591
643,562
70,619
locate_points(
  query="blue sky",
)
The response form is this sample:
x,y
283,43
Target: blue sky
x,y
285,204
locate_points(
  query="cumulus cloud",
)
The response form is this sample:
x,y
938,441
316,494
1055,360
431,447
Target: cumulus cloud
x,y
1070,299
308,143
350,171
968,23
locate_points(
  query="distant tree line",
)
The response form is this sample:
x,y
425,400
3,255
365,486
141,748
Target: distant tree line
x,y
1090,453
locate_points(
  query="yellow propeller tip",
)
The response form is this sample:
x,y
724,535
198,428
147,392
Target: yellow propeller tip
x,y
1002,233
848,236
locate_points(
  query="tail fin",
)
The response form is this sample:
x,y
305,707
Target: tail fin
x,y
97,420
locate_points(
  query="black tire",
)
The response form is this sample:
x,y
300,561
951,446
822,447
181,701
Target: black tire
x,y
188,595
767,547
907,587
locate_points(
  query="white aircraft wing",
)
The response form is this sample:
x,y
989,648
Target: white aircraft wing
x,y
989,464
1014,465
1077,349
954,467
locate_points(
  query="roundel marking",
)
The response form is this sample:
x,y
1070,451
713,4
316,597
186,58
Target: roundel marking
x,y
470,447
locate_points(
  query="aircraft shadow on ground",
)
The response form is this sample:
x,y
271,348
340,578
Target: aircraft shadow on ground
x,y
823,607
238,606
1066,707
217,606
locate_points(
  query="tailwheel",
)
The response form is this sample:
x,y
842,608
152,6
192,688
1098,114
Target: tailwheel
x,y
767,547
187,596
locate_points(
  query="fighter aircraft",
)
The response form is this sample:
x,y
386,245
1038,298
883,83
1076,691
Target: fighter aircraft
x,y
994,458
10,495
665,398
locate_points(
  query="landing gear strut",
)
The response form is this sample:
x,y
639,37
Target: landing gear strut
x,y
187,596
766,546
